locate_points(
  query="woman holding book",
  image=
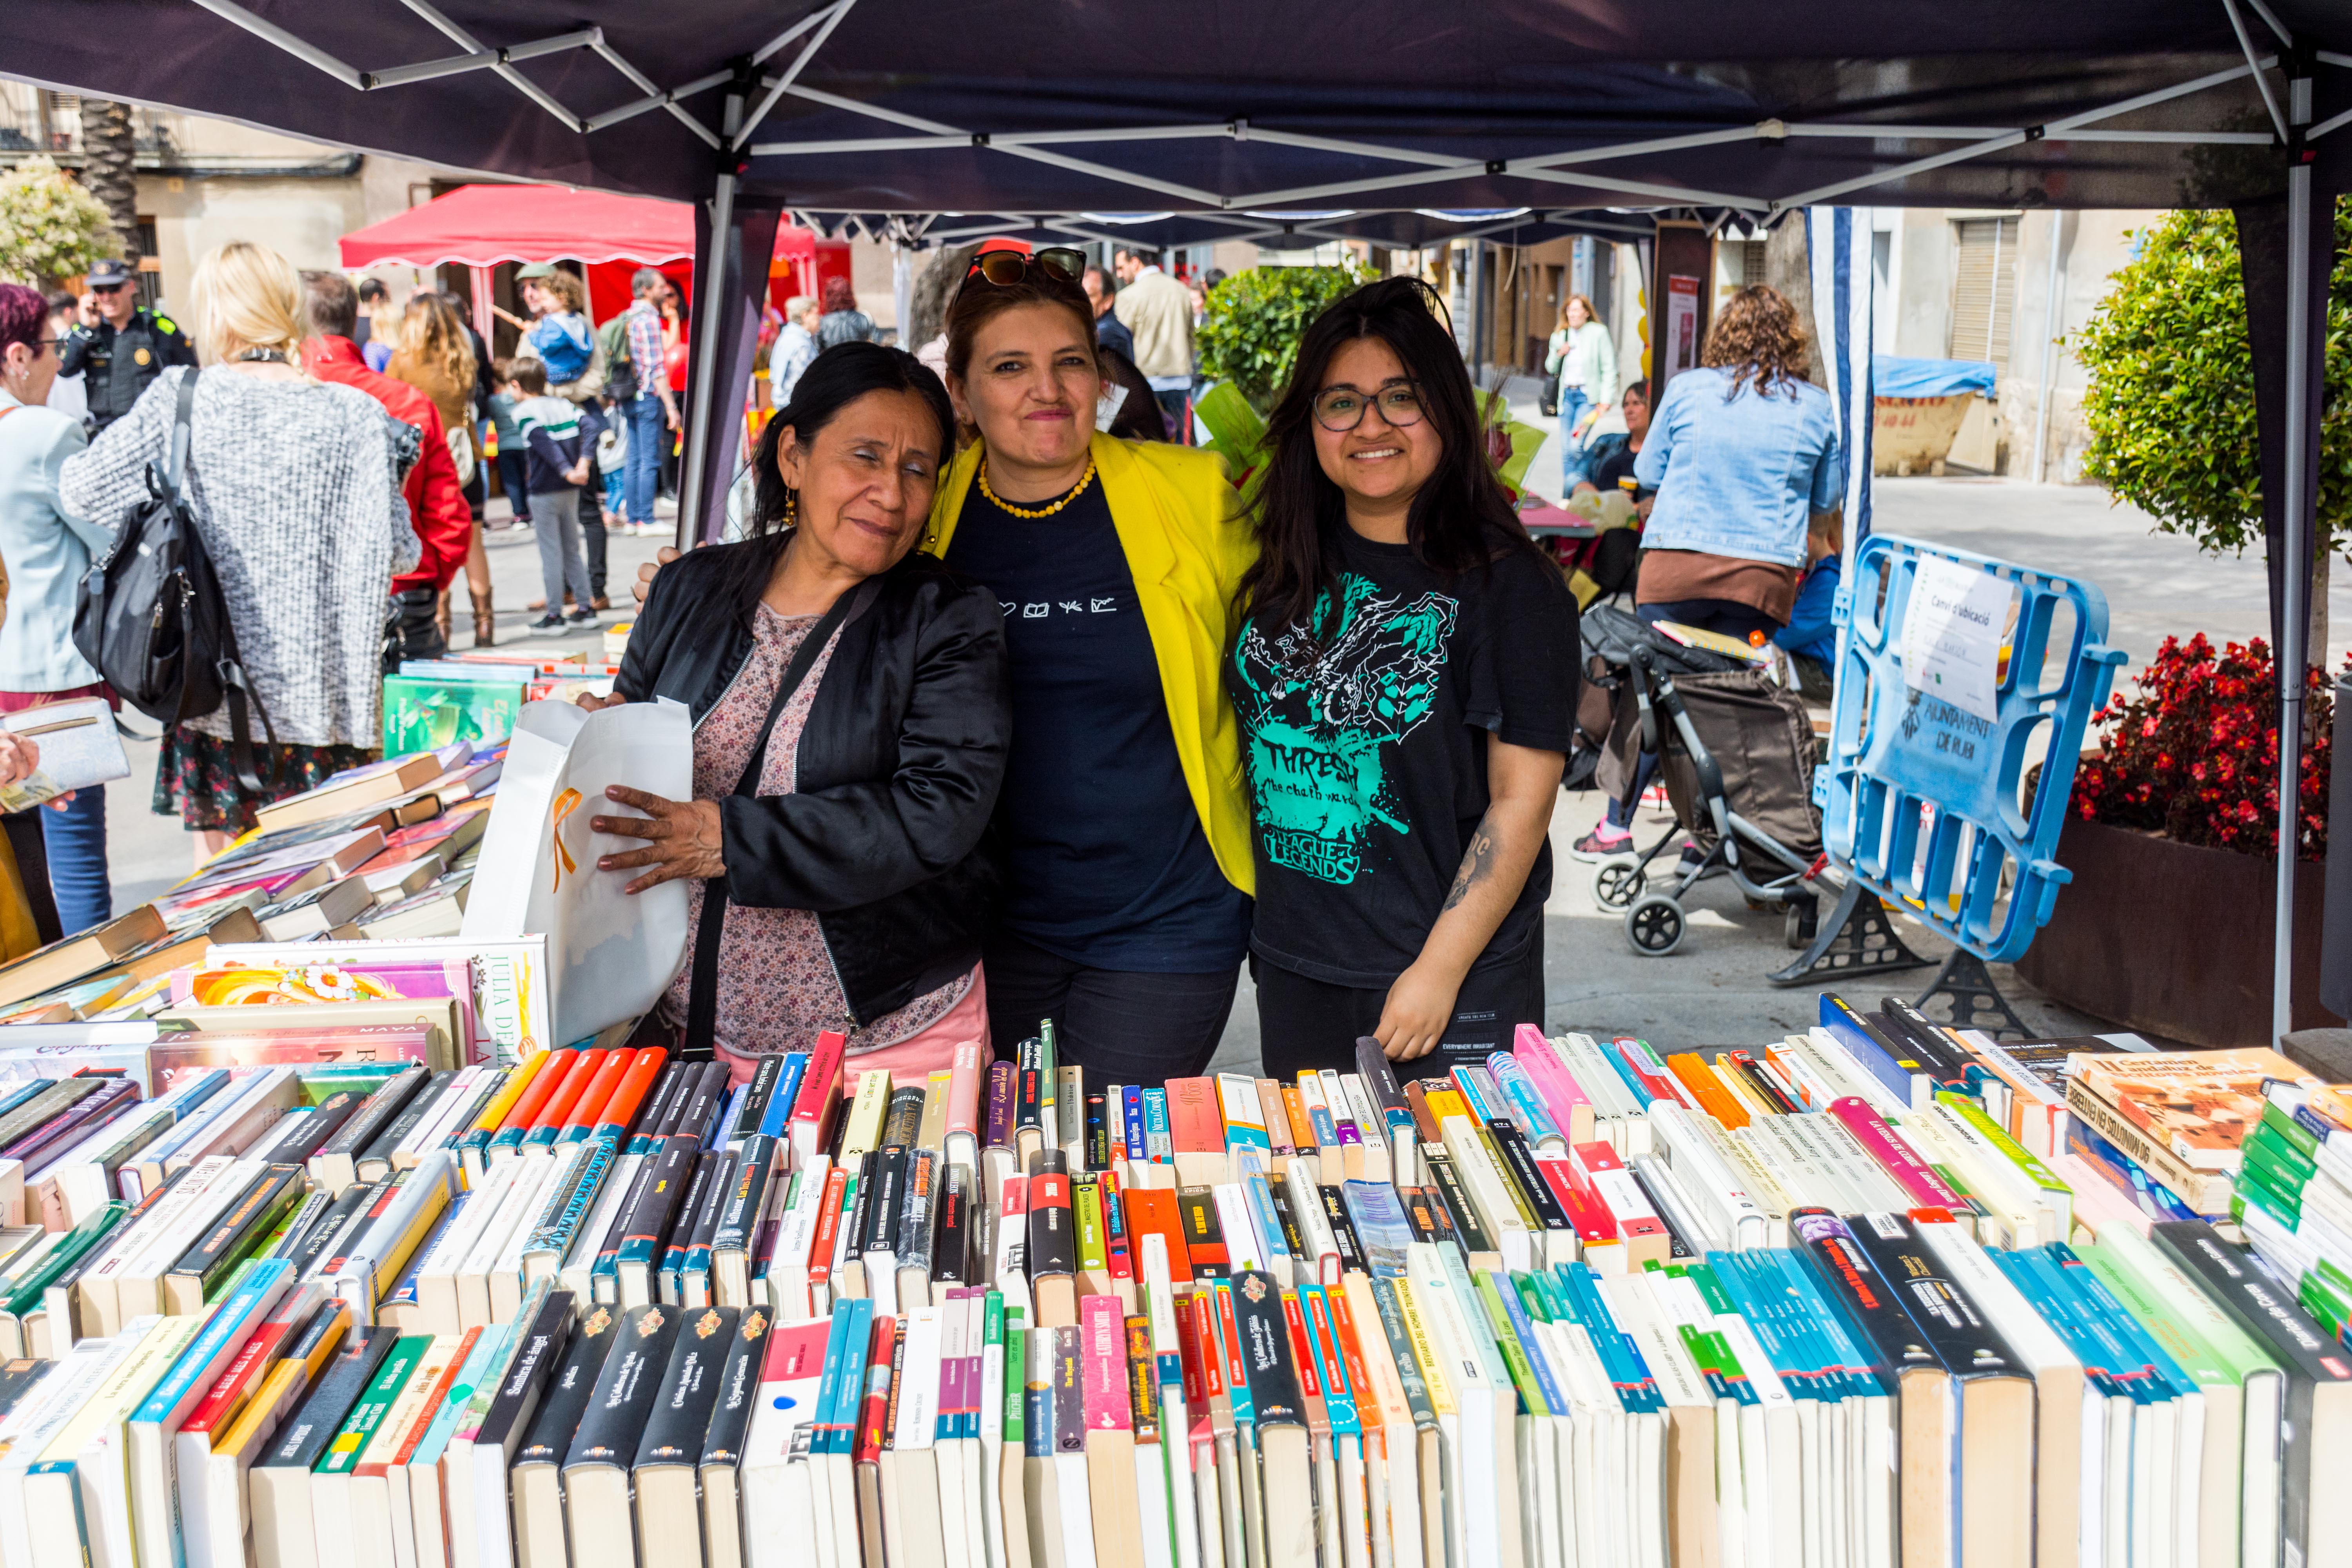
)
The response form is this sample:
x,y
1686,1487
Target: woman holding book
x,y
1406,679
850,735
294,489
1125,914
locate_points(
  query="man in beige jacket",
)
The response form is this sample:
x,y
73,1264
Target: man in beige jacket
x,y
1157,311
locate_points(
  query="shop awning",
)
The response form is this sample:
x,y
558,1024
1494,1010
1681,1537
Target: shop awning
x,y
481,225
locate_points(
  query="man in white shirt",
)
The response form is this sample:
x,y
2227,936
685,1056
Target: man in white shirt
x,y
1157,311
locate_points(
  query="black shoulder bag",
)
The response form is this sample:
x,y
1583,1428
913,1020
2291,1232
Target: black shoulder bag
x,y
702,995
150,617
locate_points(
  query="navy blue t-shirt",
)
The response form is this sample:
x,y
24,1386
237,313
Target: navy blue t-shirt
x,y
1105,861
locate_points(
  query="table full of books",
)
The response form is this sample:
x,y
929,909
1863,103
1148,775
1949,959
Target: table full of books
x,y
1876,1293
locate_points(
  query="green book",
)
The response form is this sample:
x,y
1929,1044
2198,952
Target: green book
x,y
343,1455
1010,1328
1506,1342
421,713
25,1290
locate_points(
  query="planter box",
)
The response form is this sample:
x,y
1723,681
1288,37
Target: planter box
x,y
2173,939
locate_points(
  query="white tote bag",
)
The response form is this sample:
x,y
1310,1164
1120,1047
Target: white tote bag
x,y
609,954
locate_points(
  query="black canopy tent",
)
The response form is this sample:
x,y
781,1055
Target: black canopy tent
x,y
1318,121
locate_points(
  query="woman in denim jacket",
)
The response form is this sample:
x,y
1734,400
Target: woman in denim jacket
x,y
1744,454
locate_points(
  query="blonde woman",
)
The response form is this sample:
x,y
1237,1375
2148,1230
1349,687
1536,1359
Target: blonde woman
x,y
1585,361
294,489
435,354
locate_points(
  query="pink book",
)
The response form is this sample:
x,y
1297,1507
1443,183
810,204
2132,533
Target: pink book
x,y
967,1072
1102,1363
1913,1174
1196,1125
1562,1095
820,1098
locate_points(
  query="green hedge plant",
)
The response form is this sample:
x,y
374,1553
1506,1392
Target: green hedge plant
x,y
2170,404
1253,321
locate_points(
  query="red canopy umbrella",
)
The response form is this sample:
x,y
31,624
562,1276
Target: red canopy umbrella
x,y
480,227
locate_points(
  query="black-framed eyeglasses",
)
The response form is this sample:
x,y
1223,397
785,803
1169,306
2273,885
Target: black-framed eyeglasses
x,y
1341,409
1007,267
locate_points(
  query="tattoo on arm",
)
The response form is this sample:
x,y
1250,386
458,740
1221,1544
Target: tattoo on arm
x,y
1478,862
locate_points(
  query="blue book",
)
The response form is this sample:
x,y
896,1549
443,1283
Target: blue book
x,y
1138,1142
1637,1391
1159,1143
852,1322
1330,1366
1506,1295
774,1120
154,1481
1380,1225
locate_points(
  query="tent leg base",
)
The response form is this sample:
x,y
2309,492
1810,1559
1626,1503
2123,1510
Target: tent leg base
x,y
1976,1002
1857,939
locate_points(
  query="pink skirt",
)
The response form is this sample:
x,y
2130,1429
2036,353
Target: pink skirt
x,y
927,1050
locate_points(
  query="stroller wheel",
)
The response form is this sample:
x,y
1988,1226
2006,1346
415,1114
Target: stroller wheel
x,y
1617,883
1653,926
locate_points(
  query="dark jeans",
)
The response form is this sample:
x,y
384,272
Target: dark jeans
x,y
76,840
1121,1026
1304,1022
592,530
1726,615
514,474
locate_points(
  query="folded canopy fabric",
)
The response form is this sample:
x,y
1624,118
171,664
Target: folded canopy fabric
x,y
481,225
1025,107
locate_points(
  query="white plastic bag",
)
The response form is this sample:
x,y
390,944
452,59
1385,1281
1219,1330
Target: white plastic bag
x,y
609,955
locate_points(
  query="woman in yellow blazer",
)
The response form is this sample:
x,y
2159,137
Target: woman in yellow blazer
x,y
1123,826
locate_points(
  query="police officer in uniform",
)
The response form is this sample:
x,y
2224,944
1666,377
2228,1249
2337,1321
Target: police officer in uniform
x,y
118,346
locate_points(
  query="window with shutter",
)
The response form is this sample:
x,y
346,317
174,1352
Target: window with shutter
x,y
1984,290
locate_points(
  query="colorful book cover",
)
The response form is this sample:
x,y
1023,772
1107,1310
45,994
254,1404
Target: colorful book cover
x,y
426,712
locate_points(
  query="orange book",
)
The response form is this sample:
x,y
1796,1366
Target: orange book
x,y
1196,1131
589,1108
1302,1126
558,1105
554,1066
630,1093
1707,1088
1154,1211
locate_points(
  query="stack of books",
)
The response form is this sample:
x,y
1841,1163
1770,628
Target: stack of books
x,y
1588,1303
479,694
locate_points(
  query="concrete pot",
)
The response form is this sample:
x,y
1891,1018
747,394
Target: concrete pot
x,y
2174,939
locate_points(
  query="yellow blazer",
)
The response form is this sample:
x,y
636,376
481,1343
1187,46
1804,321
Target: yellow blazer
x,y
1179,523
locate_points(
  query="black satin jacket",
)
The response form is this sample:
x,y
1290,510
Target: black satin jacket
x,y
895,776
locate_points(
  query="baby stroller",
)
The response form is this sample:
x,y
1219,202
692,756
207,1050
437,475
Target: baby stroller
x,y
1737,751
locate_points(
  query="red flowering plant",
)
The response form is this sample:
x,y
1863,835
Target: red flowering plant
x,y
2195,755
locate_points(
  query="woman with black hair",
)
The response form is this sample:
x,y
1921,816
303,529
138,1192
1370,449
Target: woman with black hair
x,y
851,727
1406,682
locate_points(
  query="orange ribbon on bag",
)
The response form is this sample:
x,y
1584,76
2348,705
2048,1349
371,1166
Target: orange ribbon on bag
x,y
565,804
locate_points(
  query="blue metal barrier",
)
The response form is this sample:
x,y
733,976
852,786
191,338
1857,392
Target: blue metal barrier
x,y
1920,796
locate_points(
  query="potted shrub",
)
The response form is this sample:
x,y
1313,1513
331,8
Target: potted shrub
x,y
2167,925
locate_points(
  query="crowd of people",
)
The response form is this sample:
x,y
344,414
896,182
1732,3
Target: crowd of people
x,y
1007,706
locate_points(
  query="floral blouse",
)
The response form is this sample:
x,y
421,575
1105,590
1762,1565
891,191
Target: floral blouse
x,y
777,988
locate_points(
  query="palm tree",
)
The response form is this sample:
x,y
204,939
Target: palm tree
x,y
106,142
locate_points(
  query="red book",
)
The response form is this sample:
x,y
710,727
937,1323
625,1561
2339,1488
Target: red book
x,y
589,1108
629,1095
1302,1347
1638,1225
226,1398
525,1112
1229,1338
1197,1345
828,1225
819,1099
1343,1330
1117,1248
1152,1211
1586,1209
566,1094
873,1415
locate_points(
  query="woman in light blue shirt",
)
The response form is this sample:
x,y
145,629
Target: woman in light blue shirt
x,y
46,552
1744,454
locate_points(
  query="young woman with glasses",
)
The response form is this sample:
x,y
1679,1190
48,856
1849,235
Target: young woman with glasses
x,y
1405,679
1116,563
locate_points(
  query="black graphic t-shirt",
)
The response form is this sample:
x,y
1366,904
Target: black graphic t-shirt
x,y
1105,861
1367,761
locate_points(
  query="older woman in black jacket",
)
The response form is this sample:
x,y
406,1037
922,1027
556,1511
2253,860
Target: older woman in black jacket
x,y
851,720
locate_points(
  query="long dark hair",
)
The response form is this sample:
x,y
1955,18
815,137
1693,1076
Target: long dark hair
x,y
1460,518
833,381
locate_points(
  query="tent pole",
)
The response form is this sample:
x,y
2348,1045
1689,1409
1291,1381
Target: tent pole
x,y
2294,577
701,395
2050,318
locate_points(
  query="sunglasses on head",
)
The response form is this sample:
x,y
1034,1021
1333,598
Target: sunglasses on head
x,y
1005,268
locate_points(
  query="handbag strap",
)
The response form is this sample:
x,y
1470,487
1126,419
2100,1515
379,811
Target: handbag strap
x,y
702,994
